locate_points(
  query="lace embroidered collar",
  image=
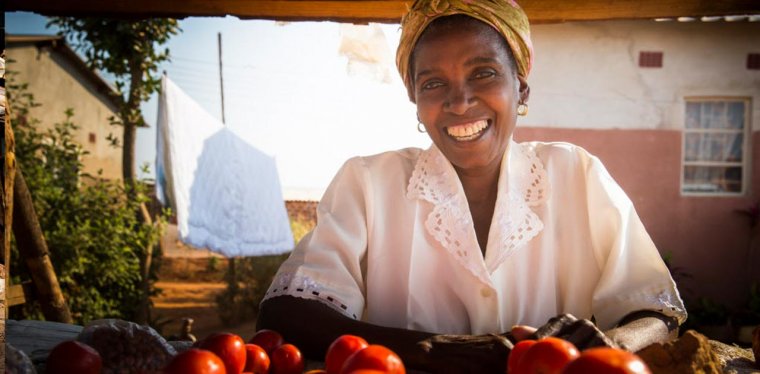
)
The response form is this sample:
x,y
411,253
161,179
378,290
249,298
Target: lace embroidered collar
x,y
522,184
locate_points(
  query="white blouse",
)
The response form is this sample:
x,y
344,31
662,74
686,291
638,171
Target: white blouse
x,y
395,245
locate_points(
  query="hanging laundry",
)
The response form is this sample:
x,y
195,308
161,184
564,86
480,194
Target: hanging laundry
x,y
225,193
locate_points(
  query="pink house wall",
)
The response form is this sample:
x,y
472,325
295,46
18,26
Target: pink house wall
x,y
705,236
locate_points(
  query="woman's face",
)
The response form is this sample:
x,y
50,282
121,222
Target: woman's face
x,y
467,92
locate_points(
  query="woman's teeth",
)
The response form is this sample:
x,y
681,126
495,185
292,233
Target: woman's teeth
x,y
467,131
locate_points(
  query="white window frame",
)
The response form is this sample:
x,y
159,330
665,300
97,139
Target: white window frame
x,y
746,142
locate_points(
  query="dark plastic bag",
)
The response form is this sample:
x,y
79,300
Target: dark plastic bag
x,y
127,347
17,362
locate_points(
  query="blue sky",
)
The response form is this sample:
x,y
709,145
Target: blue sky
x,y
288,91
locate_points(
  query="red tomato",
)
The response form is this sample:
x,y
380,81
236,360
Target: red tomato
x,y
229,347
374,357
195,361
366,371
340,349
548,356
517,353
257,359
607,360
286,359
267,339
73,357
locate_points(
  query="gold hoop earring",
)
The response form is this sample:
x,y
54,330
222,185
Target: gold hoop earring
x,y
421,127
522,109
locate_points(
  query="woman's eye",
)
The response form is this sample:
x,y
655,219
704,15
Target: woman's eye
x,y
484,74
431,85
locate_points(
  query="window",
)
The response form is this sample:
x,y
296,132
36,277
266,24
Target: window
x,y
753,61
715,143
650,59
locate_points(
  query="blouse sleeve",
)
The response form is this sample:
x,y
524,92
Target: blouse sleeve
x,y
326,265
633,275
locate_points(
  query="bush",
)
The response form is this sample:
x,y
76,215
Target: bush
x,y
92,229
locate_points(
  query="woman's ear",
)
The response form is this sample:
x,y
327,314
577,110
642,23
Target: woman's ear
x,y
524,89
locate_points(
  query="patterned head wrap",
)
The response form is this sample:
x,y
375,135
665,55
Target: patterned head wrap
x,y
503,15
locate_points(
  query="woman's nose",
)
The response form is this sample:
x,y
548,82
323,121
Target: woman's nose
x,y
459,100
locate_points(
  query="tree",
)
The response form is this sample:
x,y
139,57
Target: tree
x,y
132,51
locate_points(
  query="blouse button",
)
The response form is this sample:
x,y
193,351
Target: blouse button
x,y
485,292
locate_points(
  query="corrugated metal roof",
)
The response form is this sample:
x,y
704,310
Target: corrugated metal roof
x,y
731,18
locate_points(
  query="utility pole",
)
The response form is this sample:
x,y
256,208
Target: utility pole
x,y
231,268
221,80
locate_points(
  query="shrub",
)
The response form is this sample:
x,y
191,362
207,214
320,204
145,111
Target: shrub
x,y
92,229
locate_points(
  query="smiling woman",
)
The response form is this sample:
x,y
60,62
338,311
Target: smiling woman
x,y
478,234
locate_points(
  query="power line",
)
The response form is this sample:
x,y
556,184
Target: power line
x,y
212,63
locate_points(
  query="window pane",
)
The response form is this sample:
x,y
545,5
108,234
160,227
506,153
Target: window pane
x,y
736,115
713,147
715,115
712,179
717,118
693,115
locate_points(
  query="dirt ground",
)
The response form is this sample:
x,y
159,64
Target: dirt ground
x,y
189,280
194,300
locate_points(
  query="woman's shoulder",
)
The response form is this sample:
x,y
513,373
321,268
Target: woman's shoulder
x,y
559,152
389,161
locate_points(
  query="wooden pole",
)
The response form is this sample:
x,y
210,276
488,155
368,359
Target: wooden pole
x,y
221,81
231,261
33,250
142,316
6,200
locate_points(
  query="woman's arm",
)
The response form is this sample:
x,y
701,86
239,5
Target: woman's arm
x,y
642,328
634,332
313,326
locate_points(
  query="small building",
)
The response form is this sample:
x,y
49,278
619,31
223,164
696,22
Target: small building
x,y
672,108
59,79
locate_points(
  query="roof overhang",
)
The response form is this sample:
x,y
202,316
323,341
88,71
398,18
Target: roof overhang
x,y
389,11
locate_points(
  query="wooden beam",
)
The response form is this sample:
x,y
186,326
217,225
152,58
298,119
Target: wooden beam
x,y
17,294
286,10
7,173
34,252
361,11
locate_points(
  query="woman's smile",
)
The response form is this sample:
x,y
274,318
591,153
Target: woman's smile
x,y
468,131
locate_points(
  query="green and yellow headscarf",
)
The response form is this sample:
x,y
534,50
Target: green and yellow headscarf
x,y
504,15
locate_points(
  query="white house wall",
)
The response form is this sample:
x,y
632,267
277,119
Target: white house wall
x,y
586,75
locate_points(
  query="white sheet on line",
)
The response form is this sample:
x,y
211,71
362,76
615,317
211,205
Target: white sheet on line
x,y
226,193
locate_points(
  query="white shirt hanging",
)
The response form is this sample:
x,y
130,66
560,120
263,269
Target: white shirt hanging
x,y
226,193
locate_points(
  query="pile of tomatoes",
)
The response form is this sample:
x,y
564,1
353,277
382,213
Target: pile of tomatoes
x,y
557,356
267,352
225,353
